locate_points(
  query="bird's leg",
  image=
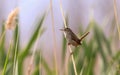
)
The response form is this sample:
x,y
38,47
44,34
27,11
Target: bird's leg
x,y
69,43
71,53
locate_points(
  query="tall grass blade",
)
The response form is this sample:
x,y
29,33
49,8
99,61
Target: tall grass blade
x,y
16,50
64,45
2,49
100,48
6,61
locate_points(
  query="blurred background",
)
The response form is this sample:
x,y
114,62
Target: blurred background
x,y
95,16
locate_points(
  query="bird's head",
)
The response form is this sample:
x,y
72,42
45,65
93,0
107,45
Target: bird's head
x,y
66,29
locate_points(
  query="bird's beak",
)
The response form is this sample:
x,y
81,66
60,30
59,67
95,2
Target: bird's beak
x,y
62,29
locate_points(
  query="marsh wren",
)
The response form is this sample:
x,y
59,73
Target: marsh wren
x,y
72,38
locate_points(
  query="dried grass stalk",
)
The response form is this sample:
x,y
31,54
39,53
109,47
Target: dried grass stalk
x,y
116,17
65,25
54,38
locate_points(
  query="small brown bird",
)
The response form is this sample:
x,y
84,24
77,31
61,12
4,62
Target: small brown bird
x,y
72,38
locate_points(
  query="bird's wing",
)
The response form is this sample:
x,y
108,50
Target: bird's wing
x,y
75,38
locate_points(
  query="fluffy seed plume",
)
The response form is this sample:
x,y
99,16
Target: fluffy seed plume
x,y
11,20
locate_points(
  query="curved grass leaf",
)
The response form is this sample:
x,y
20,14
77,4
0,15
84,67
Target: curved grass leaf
x,y
26,51
98,39
7,58
2,50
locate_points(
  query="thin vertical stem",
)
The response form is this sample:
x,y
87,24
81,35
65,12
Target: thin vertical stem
x,y
63,16
15,57
73,60
65,25
54,37
116,17
40,67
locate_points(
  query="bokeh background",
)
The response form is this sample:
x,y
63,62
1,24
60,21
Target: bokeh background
x,y
80,15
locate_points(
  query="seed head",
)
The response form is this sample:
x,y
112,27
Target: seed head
x,y
11,20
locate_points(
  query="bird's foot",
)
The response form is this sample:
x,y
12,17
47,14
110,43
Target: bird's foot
x,y
71,53
81,43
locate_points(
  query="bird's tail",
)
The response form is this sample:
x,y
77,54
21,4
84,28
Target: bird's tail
x,y
83,36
